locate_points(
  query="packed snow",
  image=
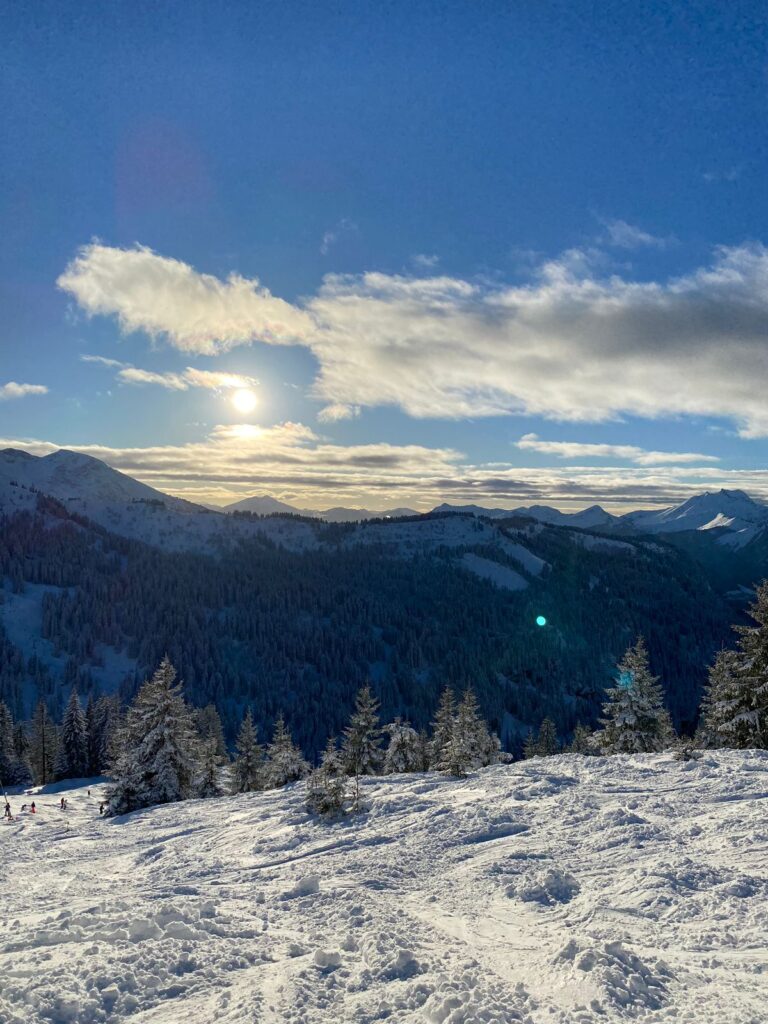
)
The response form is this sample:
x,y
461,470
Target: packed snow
x,y
565,890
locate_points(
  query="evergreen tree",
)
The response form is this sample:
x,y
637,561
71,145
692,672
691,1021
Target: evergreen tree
x,y
42,752
403,753
327,785
635,719
423,749
209,784
471,745
7,748
362,737
107,715
284,762
442,729
547,743
735,705
158,759
582,740
531,746
209,728
91,733
23,769
72,754
248,766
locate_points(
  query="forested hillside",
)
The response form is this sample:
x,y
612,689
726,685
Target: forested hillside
x,y
300,631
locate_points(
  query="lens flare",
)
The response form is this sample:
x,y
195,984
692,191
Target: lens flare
x,y
540,620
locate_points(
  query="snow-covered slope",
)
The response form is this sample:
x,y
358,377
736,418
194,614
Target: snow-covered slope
x,y
567,890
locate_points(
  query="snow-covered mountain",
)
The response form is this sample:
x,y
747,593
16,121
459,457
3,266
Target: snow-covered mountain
x,y
74,478
265,505
732,511
591,518
562,890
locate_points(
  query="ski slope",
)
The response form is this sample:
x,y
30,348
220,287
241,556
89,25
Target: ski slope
x,y
566,890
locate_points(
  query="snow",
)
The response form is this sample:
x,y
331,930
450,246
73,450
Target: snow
x,y
565,890
499,574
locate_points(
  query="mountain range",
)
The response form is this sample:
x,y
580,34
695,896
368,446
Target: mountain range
x,y
102,574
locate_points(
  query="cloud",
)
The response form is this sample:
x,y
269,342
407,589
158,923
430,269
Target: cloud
x,y
344,228
291,462
578,450
196,312
14,390
571,345
425,261
102,361
333,413
212,380
628,236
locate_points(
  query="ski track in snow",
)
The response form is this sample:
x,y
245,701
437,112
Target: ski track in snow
x,y
565,890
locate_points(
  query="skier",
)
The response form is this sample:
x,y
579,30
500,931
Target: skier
x,y
101,808
8,811
32,807
63,803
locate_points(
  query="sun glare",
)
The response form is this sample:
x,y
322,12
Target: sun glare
x,y
244,400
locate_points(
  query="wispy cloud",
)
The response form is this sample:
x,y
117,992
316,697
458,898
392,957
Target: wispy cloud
x,y
343,229
14,390
572,345
191,377
425,261
628,236
631,453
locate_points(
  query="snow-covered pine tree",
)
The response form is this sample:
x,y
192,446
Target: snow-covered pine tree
x,y
581,743
158,759
402,753
284,761
547,743
72,754
442,729
42,747
248,767
736,702
635,720
327,785
209,783
362,737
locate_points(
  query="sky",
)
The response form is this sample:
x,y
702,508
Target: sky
x,y
387,253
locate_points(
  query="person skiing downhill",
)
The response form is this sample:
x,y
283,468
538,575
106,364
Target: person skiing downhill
x,y
8,811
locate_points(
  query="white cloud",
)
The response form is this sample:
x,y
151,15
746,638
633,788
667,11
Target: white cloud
x,y
579,450
571,345
14,390
197,312
629,236
191,377
102,361
334,413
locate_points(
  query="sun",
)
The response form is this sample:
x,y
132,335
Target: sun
x,y
244,400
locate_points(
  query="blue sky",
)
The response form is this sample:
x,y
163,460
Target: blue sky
x,y
501,252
